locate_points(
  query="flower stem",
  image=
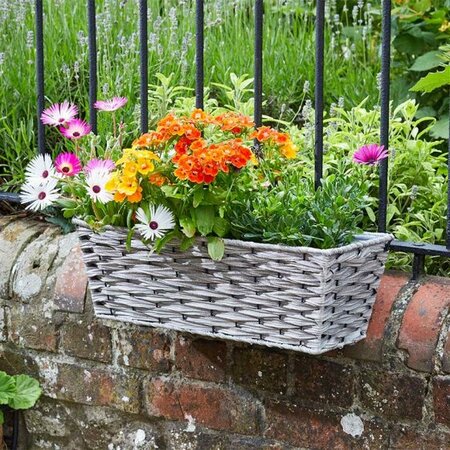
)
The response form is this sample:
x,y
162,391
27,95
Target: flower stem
x,y
95,210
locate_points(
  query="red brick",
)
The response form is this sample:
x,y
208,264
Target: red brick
x,y
441,397
97,387
324,382
29,328
316,429
71,283
213,407
422,323
446,355
260,368
371,347
390,394
86,340
411,439
144,348
201,359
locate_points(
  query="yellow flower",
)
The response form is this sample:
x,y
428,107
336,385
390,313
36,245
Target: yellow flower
x,y
111,184
130,169
445,26
128,186
127,156
145,166
289,150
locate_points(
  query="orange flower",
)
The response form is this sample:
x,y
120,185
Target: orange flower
x,y
191,132
136,197
262,134
158,179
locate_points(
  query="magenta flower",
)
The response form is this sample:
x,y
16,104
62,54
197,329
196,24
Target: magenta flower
x,y
59,114
75,129
110,105
370,154
68,164
101,165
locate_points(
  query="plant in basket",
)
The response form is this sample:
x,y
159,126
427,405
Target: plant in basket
x,y
296,274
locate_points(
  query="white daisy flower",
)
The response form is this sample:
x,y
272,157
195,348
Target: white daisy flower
x,y
40,170
39,195
96,180
156,223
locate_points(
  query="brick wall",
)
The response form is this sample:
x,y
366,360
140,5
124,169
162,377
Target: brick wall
x,y
113,386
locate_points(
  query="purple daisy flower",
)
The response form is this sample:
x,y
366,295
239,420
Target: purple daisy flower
x,y
370,154
75,129
68,164
104,165
59,114
110,105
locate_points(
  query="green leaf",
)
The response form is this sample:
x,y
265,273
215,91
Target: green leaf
x,y
371,214
198,197
128,241
216,248
186,243
221,226
433,81
188,227
204,218
27,392
440,129
7,388
428,61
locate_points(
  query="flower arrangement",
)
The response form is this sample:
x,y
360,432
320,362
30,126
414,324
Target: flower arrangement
x,y
213,175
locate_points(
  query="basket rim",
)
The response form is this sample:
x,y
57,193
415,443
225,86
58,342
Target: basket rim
x,y
366,239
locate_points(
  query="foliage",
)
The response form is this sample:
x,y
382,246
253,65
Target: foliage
x,y
18,392
352,60
292,212
421,31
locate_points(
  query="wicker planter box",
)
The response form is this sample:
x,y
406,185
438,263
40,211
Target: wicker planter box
x,y
297,298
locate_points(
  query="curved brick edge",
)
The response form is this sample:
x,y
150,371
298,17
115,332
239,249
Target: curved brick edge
x,y
111,385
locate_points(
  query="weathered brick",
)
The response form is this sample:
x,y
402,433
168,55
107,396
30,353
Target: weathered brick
x,y
260,369
324,382
71,283
29,328
2,324
97,387
389,394
441,396
86,340
371,347
422,323
144,348
201,359
316,429
14,238
14,362
402,438
32,266
214,407
446,355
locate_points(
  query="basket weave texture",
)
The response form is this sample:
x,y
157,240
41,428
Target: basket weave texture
x,y
297,298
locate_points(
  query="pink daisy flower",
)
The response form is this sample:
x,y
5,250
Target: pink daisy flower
x,y
104,165
370,154
75,129
68,164
110,105
59,114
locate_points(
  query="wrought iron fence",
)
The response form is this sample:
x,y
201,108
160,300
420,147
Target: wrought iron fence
x,y
419,250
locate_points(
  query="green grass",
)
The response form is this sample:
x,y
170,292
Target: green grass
x,y
351,65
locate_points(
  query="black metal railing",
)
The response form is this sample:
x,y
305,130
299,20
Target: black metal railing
x,y
419,250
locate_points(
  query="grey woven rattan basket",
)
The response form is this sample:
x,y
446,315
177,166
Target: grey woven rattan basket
x,y
297,298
